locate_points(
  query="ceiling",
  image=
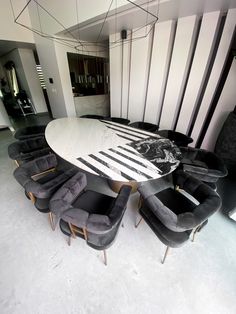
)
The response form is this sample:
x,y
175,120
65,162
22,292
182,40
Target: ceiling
x,y
6,46
130,17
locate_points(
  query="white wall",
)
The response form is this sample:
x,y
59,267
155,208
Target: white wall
x,y
201,60
10,30
53,55
35,91
180,62
161,51
98,104
48,60
15,57
115,76
181,83
54,62
139,71
27,75
217,69
4,119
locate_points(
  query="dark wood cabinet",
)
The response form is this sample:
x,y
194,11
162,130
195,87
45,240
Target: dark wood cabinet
x,y
89,74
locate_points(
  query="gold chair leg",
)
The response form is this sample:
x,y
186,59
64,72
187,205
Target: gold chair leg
x,y
50,215
166,252
194,233
105,257
43,172
32,197
140,201
137,224
17,163
71,230
85,234
69,240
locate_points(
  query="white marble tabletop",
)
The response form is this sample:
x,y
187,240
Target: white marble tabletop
x,y
114,151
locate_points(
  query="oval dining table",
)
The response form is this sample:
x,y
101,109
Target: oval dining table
x,y
119,153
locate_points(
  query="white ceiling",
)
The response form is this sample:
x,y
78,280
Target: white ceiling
x,y
130,17
6,46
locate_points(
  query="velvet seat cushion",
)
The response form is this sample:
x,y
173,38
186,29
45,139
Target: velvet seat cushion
x,y
178,212
144,126
100,214
202,164
166,236
177,138
92,116
118,120
101,222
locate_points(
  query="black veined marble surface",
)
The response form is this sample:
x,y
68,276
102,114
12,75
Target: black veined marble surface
x,y
159,151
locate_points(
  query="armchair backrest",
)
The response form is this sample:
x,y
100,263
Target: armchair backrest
x,y
16,149
24,173
67,194
120,203
209,200
195,214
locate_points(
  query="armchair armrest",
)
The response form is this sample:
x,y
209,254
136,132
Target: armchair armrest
x,y
76,216
58,206
176,223
71,189
144,191
120,203
22,176
98,224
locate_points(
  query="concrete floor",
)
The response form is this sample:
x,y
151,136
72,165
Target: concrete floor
x,y
41,274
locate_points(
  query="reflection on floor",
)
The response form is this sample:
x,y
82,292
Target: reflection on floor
x,y
41,274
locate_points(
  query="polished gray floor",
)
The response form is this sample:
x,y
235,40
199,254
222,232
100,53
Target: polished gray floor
x,y
41,274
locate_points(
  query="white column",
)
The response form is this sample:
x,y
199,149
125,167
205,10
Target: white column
x,y
115,74
4,119
161,51
140,53
126,51
202,57
217,69
180,62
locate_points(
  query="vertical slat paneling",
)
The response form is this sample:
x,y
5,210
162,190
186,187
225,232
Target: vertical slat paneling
x,y
125,75
225,104
180,62
115,75
217,69
140,52
202,56
162,45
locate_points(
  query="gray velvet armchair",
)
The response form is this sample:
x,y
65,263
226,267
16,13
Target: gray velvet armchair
x,y
202,164
175,212
26,150
88,214
30,132
40,179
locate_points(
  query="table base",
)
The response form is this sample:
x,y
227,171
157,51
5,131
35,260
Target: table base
x,y
116,185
